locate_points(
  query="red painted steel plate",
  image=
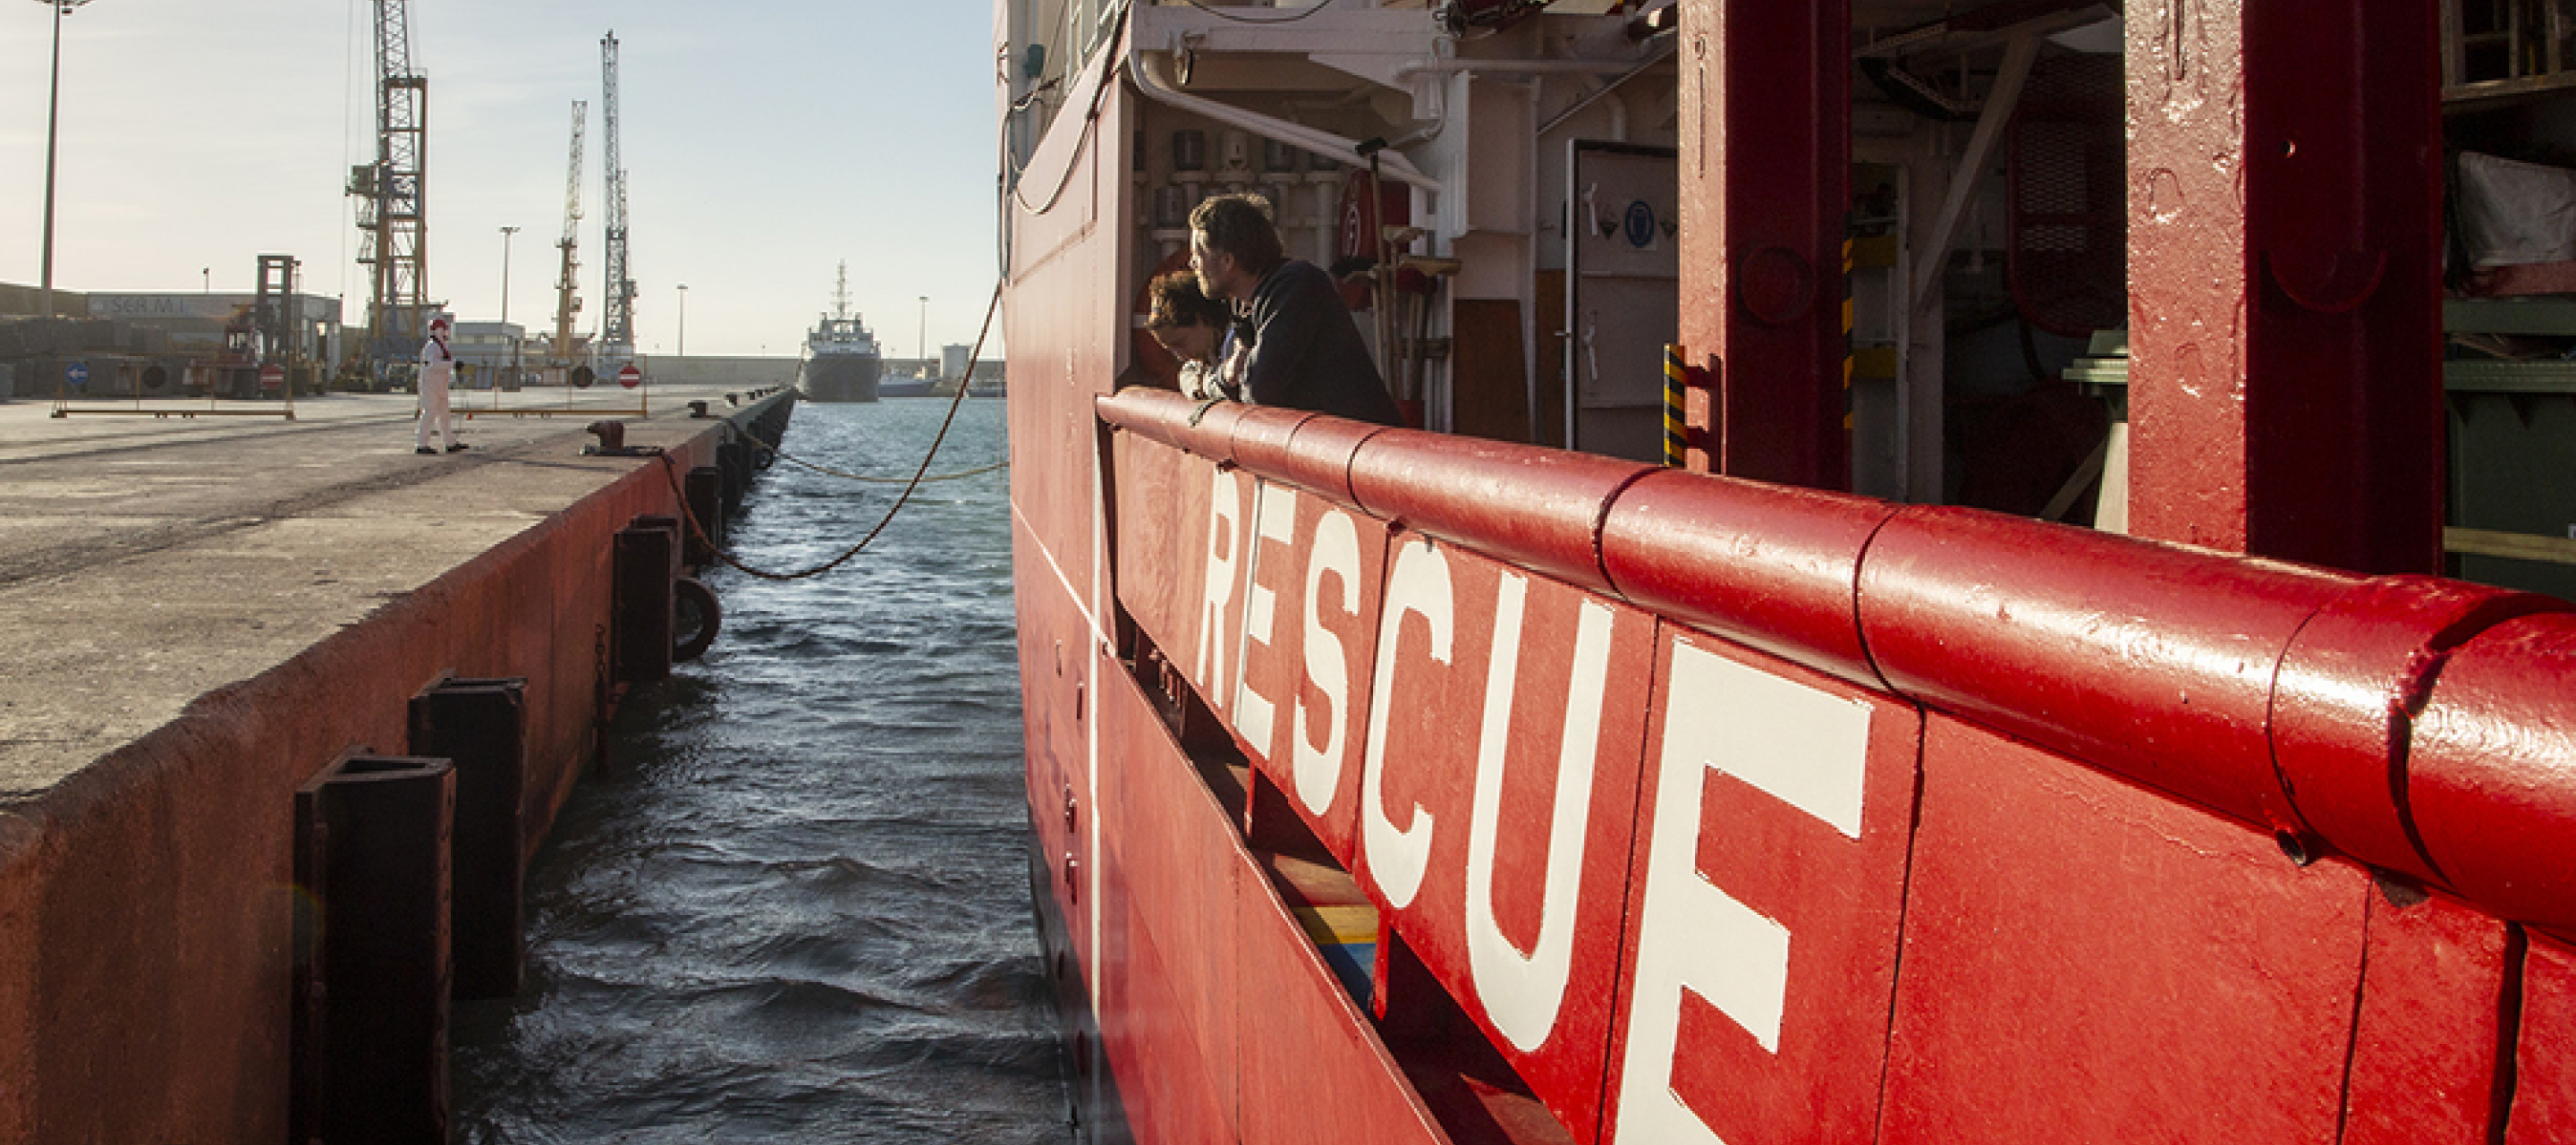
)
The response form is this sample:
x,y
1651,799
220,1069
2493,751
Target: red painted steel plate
x,y
1162,521
1063,297
1176,857
1054,649
1309,609
1500,797
2089,961
1766,894
2544,1095
2424,1056
1168,1092
1312,1070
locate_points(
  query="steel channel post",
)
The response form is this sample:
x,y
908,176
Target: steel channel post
x,y
1765,179
2284,238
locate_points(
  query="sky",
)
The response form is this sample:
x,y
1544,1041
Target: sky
x,y
763,143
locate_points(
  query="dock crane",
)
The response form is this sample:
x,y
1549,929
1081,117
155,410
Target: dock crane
x,y
568,284
392,194
617,334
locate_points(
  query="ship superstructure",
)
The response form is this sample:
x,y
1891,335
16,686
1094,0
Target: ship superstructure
x,y
842,360
1915,608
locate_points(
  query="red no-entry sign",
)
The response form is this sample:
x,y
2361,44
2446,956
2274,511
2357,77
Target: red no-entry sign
x,y
630,377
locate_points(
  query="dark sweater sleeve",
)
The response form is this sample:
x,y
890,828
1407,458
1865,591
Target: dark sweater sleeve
x,y
1287,326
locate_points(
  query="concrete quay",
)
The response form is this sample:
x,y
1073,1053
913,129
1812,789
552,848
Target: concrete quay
x,y
198,615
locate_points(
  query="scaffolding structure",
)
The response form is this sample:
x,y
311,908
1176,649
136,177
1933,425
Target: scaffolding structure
x,y
392,194
568,283
617,333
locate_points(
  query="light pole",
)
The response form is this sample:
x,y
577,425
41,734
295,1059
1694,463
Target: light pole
x,y
684,321
506,232
208,273
53,118
924,344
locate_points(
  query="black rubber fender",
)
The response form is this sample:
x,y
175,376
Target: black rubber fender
x,y
762,459
688,594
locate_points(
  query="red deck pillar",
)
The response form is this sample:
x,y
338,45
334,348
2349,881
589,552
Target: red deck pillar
x,y
2285,224
1765,174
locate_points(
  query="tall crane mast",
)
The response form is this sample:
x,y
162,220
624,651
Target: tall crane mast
x,y
568,284
392,195
617,335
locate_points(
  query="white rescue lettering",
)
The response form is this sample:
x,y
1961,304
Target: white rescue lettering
x,y
1522,992
1418,583
1274,519
1224,547
1801,746
1318,770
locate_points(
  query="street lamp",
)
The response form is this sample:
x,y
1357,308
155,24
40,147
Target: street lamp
x,y
53,118
684,321
506,232
924,344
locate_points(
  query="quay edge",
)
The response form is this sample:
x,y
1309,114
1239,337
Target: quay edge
x,y
146,898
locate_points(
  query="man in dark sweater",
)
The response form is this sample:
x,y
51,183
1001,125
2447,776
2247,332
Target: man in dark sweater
x,y
1305,351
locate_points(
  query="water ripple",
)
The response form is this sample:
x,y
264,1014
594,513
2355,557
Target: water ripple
x,y
797,909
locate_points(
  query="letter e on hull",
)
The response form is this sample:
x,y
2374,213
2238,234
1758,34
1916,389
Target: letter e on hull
x,y
1765,902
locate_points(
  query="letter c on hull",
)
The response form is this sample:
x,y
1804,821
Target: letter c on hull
x,y
1318,771
1418,584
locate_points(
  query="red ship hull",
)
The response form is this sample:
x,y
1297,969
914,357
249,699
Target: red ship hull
x,y
1398,786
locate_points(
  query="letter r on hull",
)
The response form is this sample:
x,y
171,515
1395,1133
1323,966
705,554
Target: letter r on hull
x,y
1225,548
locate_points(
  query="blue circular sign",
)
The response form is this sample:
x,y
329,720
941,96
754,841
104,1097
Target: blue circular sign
x,y
78,374
1640,225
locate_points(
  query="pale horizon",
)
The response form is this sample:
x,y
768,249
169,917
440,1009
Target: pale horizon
x,y
762,145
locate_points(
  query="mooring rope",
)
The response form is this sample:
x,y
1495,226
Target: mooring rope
x,y
920,476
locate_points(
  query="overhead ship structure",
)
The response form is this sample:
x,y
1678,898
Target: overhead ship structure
x,y
1850,647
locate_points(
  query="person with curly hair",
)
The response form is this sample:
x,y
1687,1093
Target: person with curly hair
x,y
1197,330
1305,352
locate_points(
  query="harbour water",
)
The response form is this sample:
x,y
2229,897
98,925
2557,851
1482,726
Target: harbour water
x,y
797,909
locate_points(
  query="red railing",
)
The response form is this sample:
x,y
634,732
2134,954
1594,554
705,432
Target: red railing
x,y
2420,725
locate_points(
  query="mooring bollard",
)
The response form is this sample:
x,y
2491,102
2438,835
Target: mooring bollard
x,y
369,1049
481,727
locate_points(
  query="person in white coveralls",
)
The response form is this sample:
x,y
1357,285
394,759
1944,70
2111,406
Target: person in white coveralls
x,y
437,370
